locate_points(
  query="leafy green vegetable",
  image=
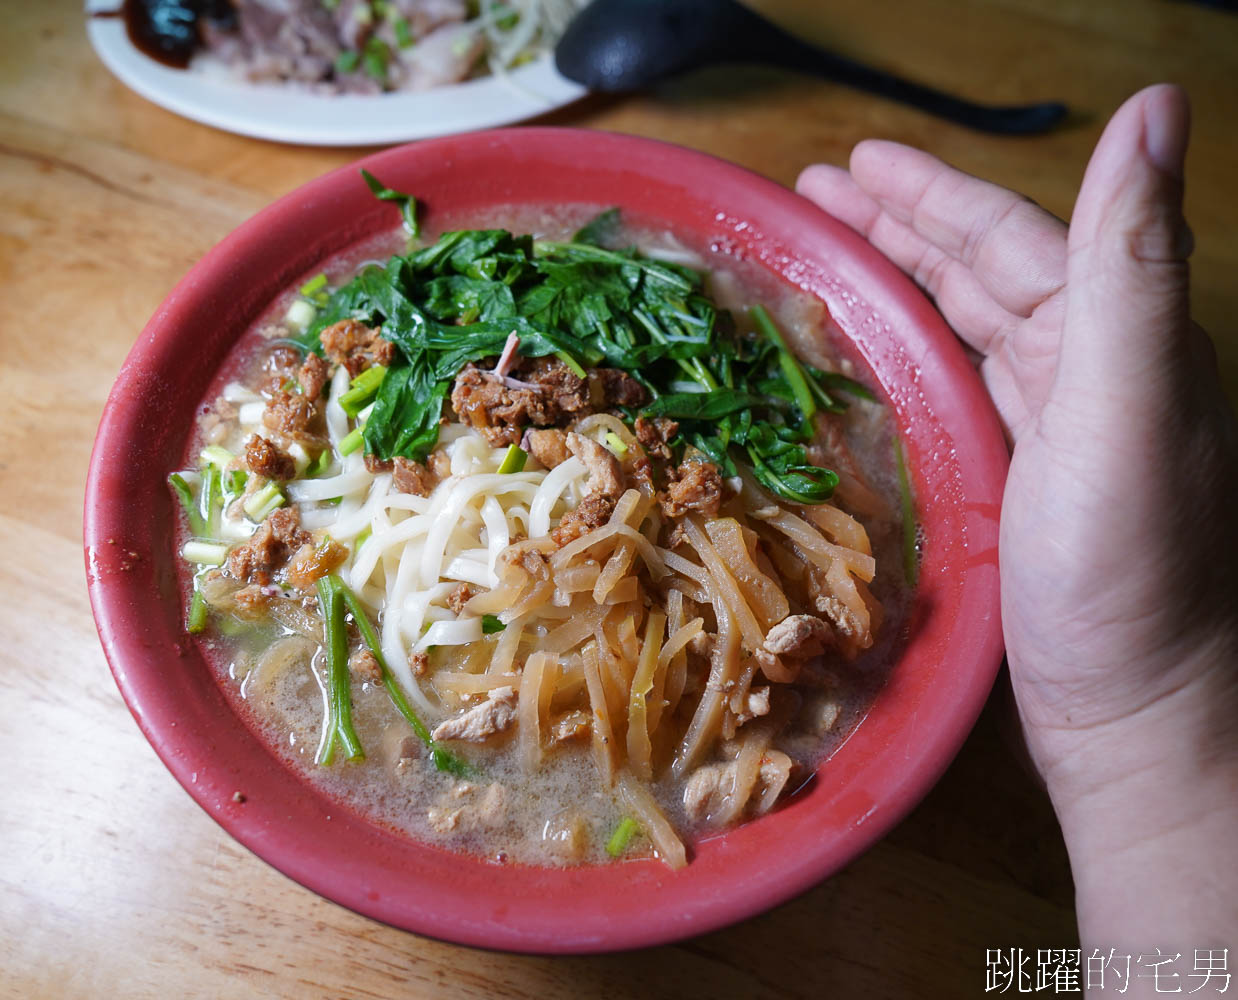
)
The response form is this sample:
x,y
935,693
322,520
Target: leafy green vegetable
x,y
599,230
339,728
443,759
491,624
459,300
406,202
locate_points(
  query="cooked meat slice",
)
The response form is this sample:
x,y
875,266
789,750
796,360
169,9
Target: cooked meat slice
x,y
605,473
755,705
375,465
706,788
693,486
549,447
364,665
312,562
459,597
477,724
295,417
265,458
655,435
798,636
312,376
592,512
268,549
618,388
446,55
841,617
412,477
772,777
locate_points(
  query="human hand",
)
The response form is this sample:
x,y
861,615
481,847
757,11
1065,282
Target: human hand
x,y
1119,547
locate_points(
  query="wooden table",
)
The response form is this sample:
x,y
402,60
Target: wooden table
x,y
113,883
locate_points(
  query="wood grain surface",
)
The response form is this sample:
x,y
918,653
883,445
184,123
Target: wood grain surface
x,y
113,883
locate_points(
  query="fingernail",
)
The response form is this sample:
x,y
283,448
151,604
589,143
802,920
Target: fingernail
x,y
1166,120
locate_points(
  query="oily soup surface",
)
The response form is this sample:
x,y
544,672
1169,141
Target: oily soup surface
x,y
562,812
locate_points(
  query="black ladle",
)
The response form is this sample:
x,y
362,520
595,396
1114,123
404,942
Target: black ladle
x,y
616,45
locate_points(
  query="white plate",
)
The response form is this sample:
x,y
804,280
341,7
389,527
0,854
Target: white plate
x,y
288,115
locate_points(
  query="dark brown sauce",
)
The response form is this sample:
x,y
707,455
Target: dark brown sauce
x,y
169,31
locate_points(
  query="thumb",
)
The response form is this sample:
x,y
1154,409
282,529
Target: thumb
x,y
1127,320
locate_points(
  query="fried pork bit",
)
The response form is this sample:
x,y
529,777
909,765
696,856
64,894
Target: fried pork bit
x,y
356,346
312,562
412,477
312,376
364,666
296,418
568,391
611,387
265,458
418,663
605,473
693,486
459,597
549,447
655,435
266,552
592,512
478,724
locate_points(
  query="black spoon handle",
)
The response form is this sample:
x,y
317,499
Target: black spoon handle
x,y
774,46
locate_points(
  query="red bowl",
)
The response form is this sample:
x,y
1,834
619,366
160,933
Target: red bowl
x,y
914,729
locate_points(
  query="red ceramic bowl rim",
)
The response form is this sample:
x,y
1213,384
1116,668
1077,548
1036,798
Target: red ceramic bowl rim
x,y
956,452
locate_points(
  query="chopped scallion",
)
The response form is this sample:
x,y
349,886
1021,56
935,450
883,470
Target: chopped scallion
x,y
514,460
216,456
184,493
362,389
619,840
316,283
204,553
615,443
350,442
195,620
300,315
262,502
491,624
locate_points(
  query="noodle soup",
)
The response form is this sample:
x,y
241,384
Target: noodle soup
x,y
547,549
